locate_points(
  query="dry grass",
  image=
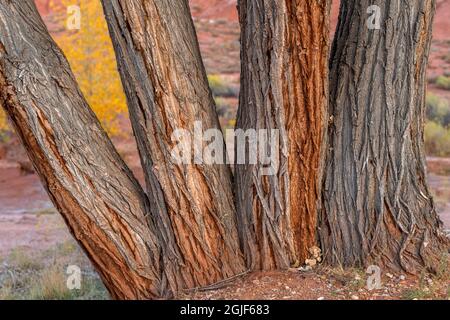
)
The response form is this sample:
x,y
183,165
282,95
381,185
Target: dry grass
x,y
432,286
42,276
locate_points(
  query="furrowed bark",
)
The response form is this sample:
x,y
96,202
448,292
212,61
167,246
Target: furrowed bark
x,y
102,203
167,89
377,208
284,86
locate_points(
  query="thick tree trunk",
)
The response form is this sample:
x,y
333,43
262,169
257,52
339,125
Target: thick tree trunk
x,y
284,87
102,203
167,89
377,208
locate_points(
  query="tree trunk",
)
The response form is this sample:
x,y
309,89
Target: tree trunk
x,y
167,89
377,208
283,87
102,203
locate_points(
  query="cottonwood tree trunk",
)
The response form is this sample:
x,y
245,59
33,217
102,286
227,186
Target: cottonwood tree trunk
x,y
377,208
167,89
284,87
102,203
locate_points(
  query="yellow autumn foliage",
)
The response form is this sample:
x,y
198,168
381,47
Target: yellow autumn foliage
x,y
91,56
3,123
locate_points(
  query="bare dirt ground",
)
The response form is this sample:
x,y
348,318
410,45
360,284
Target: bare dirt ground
x,y
326,284
27,217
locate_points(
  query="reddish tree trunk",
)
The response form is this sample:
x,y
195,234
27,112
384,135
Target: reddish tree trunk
x,y
284,87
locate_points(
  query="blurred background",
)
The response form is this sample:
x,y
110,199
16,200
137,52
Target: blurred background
x,y
35,246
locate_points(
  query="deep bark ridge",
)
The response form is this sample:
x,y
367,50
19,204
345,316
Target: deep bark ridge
x,y
377,208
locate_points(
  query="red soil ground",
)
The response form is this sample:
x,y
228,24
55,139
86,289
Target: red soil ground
x,y
214,9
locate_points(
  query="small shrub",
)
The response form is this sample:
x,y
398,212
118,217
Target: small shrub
x,y
222,106
51,285
231,123
438,110
447,58
437,140
431,79
4,126
22,260
221,88
42,276
443,82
